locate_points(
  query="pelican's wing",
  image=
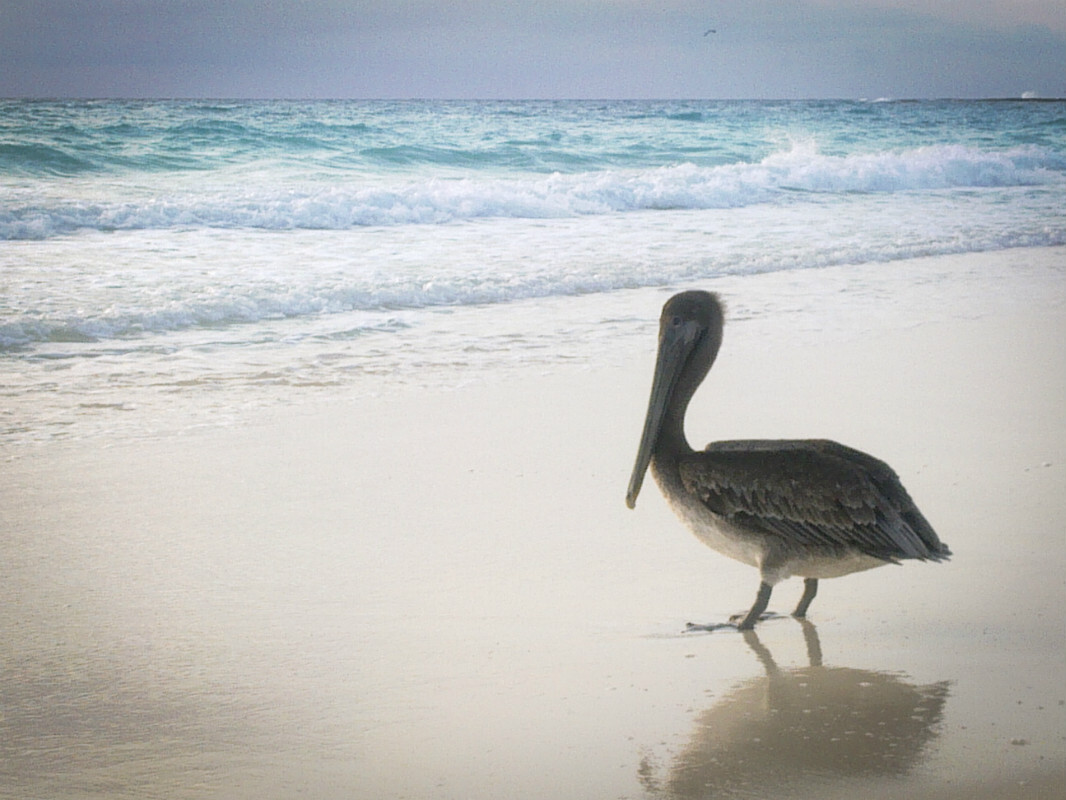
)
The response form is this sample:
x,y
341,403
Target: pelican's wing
x,y
813,493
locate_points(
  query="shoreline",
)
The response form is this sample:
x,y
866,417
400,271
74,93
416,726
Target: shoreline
x,y
811,307
442,594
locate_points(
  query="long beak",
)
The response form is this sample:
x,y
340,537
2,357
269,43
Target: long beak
x,y
675,345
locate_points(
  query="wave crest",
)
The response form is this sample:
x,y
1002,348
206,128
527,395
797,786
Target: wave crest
x,y
780,177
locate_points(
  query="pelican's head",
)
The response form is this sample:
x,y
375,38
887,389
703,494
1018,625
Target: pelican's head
x,y
690,333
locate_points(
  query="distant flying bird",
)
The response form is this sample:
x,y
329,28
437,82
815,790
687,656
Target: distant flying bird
x,y
805,507
710,31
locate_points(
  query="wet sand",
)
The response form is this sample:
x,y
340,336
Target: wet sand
x,y
442,594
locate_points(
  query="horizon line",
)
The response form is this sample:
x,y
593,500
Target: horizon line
x,y
417,99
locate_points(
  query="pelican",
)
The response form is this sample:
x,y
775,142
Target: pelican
x,y
811,508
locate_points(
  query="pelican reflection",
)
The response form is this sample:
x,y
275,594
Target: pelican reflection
x,y
794,730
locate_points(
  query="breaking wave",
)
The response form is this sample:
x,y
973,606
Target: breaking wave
x,y
783,177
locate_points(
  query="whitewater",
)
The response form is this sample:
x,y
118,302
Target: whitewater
x,y
239,253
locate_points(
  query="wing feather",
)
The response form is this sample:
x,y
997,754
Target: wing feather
x,y
812,494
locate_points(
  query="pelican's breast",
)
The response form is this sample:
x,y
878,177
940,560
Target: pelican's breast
x,y
712,529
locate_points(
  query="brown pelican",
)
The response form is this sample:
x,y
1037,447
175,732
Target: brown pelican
x,y
807,507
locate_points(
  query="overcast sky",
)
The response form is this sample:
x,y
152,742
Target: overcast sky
x,y
532,48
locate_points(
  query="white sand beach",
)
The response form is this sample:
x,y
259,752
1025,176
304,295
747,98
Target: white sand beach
x,y
441,594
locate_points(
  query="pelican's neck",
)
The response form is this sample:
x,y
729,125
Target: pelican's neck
x,y
672,434
672,437
672,444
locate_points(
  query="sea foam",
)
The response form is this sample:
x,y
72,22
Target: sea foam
x,y
346,202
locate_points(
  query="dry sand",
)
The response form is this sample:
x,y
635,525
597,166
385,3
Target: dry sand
x,y
443,594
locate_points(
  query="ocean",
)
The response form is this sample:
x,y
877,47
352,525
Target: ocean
x,y
204,257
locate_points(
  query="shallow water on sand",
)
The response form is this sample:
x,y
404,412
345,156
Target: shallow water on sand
x,y
113,393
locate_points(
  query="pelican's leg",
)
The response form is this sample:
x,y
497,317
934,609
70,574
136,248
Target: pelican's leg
x,y
762,600
810,589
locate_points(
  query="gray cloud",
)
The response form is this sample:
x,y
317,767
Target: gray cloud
x,y
590,48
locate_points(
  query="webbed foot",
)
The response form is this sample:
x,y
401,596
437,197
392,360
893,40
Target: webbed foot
x,y
692,627
746,621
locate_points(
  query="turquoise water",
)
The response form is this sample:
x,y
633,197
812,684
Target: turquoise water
x,y
75,167
334,140
197,243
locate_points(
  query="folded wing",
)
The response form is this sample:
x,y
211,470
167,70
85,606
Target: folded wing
x,y
814,495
